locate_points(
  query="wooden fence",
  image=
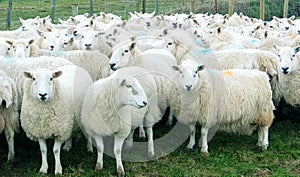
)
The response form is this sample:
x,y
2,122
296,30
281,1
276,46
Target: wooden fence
x,y
263,9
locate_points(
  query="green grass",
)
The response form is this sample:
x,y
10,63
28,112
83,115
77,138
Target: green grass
x,y
230,155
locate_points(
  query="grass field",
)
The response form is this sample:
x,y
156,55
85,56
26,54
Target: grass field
x,y
230,155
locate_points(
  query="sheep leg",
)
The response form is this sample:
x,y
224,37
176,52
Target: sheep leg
x,y
142,132
204,132
129,140
9,134
43,148
56,152
100,150
265,142
117,151
170,119
89,144
150,142
68,145
260,136
192,137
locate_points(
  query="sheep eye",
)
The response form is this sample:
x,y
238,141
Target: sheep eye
x,y
27,47
86,25
170,43
279,56
35,23
110,35
33,79
128,86
8,48
180,72
293,55
44,37
126,51
51,78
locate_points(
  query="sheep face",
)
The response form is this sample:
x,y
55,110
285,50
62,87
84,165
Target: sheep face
x,y
132,93
120,57
48,40
188,71
42,86
19,48
90,40
288,61
31,23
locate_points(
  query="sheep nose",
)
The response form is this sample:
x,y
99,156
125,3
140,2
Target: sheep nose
x,y
43,96
112,66
284,70
188,87
51,47
145,103
286,28
88,45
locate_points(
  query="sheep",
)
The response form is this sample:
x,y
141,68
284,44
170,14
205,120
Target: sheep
x,y
9,114
154,60
237,100
248,59
115,106
288,75
51,106
14,67
19,48
95,62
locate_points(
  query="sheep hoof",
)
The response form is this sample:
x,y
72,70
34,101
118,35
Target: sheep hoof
x,y
12,161
188,150
44,172
121,174
98,167
205,154
150,156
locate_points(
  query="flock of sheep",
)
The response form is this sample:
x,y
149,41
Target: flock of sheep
x,y
103,76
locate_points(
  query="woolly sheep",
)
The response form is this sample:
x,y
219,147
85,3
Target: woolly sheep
x,y
289,74
9,114
95,62
14,68
51,104
154,60
241,102
110,108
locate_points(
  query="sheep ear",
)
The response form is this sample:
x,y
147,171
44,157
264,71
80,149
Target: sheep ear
x,y
121,81
200,67
131,47
31,41
40,33
292,17
28,74
60,21
297,49
176,68
71,40
9,42
219,30
21,20
56,74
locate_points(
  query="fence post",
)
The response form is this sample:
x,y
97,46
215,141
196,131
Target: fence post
x,y
8,14
126,9
91,7
262,10
156,6
143,6
216,6
53,9
285,8
231,7
192,6
75,9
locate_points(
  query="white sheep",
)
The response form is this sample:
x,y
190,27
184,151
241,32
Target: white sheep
x,y
154,60
14,68
51,104
110,108
238,100
9,113
95,62
289,74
